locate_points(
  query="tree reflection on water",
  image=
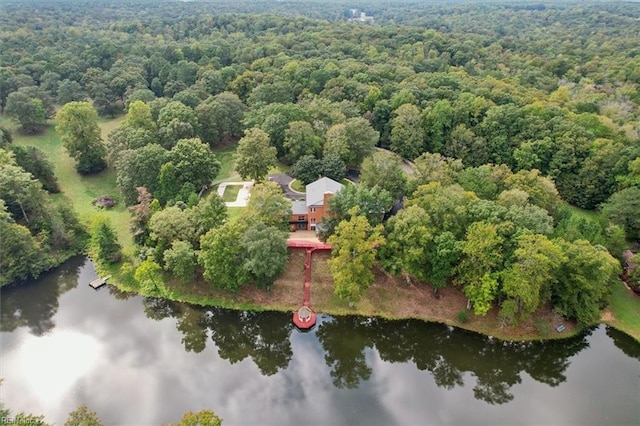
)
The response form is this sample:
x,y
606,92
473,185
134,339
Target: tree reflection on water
x,y
261,336
445,352
450,355
34,304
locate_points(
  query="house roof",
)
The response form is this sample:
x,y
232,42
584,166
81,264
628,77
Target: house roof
x,y
317,189
298,207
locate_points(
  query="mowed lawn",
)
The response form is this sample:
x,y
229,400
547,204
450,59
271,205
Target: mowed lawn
x,y
225,157
626,309
78,189
230,193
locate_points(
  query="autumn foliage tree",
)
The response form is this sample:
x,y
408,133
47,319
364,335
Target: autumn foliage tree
x,y
355,245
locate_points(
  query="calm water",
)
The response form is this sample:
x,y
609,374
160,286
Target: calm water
x,y
139,361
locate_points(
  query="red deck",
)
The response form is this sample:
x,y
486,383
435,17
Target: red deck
x,y
316,245
305,317
304,320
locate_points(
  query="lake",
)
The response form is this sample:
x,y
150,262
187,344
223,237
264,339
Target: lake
x,y
140,361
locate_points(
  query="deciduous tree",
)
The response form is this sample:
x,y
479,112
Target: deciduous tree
x,y
201,418
254,156
583,282
352,140
482,257
22,194
373,203
26,110
527,283
333,167
407,135
176,121
169,225
384,170
355,245
407,242
622,209
269,205
209,213
300,139
180,259
448,206
222,257
139,116
34,161
21,257
69,91
307,169
266,253
139,167
221,117
149,276
5,137
81,416
274,120
141,215
77,123
194,163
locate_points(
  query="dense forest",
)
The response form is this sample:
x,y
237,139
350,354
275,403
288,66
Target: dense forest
x,y
515,118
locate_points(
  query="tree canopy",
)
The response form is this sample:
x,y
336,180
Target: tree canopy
x,y
502,118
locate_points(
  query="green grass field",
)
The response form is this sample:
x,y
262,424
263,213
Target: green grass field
x,y
230,193
626,309
82,190
225,157
279,168
297,185
235,212
588,214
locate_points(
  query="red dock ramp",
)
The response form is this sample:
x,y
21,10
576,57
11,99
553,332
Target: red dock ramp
x,y
305,317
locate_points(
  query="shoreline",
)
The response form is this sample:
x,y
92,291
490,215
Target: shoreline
x,y
410,301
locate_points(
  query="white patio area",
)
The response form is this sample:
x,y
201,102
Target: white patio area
x,y
243,195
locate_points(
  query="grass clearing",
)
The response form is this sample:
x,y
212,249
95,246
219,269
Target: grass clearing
x,y
234,212
587,214
230,193
625,307
279,168
225,157
297,185
107,125
81,190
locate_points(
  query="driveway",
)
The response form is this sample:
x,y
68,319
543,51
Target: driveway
x,y
243,195
284,180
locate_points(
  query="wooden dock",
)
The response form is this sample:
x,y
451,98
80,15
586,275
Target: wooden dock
x,y
99,282
305,317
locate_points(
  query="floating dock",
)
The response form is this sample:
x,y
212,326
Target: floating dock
x,y
99,282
